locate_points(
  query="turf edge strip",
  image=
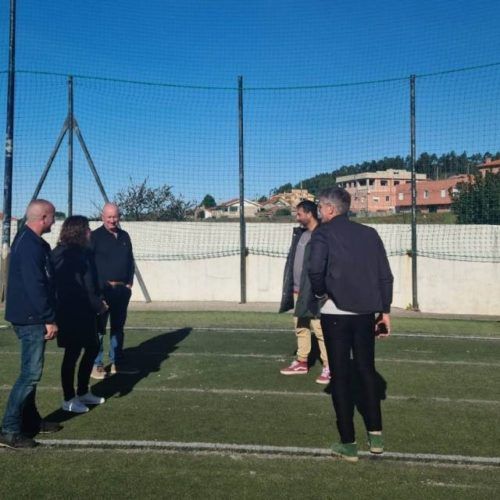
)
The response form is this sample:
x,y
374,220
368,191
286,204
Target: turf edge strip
x,y
257,392
262,449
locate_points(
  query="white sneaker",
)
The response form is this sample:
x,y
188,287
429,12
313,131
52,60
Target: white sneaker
x,y
90,399
74,405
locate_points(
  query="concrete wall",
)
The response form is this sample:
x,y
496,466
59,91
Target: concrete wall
x,y
456,286
452,287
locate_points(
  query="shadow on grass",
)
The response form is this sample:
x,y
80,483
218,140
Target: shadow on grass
x,y
147,357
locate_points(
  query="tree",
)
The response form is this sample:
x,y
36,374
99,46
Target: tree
x,y
139,202
283,189
478,201
208,201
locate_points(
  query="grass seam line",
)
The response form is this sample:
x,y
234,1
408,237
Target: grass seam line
x,y
281,357
171,329
264,449
256,392
290,330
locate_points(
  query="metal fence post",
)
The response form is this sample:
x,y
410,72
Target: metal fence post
x,y
243,249
414,274
70,146
9,152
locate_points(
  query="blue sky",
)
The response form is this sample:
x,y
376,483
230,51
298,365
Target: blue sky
x,y
188,138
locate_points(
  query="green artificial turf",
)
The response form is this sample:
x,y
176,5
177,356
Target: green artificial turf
x,y
215,379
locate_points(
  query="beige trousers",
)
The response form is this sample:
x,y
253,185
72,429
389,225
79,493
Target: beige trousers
x,y
303,329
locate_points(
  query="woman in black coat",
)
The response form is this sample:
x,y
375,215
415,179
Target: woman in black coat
x,y
78,305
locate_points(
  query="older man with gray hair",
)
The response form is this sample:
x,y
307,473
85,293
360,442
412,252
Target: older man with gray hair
x,y
114,260
351,278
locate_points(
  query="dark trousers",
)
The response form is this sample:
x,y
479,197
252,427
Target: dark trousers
x,y
117,298
346,334
71,355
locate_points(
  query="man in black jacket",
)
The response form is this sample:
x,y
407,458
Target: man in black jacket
x,y
31,310
352,280
114,260
297,294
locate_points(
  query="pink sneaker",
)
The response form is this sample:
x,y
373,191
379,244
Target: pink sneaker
x,y
324,378
296,368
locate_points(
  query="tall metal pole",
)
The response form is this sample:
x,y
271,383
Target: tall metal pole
x,y
413,196
243,245
70,146
100,185
9,150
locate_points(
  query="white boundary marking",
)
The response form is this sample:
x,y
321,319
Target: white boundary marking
x,y
290,330
280,357
170,329
257,392
263,450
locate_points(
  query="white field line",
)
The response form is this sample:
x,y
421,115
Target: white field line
x,y
257,392
169,329
289,330
262,450
280,357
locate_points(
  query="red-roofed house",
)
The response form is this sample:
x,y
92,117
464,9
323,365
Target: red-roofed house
x,y
489,165
231,208
432,196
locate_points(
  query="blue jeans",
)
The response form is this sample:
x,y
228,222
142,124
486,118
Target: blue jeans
x,y
117,298
22,396
115,348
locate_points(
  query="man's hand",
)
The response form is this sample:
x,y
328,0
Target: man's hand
x,y
104,307
50,331
383,326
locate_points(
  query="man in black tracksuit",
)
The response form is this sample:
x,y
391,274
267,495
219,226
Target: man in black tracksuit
x,y
351,278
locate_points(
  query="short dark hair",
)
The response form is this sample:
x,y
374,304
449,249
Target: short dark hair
x,y
74,231
338,197
309,207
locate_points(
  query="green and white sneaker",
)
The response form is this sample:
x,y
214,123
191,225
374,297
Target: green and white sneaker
x,y
376,443
346,451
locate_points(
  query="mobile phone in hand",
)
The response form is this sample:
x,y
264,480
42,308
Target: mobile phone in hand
x,y
381,329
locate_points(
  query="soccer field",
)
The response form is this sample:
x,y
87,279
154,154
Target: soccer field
x,y
210,416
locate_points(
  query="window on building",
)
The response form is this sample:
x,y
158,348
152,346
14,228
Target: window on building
x,y
396,183
362,182
370,182
387,198
375,199
443,193
401,196
426,194
233,209
383,183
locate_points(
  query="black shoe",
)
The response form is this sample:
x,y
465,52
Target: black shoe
x,y
16,441
47,427
123,369
43,427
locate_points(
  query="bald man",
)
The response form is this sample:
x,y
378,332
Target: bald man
x,y
31,310
114,261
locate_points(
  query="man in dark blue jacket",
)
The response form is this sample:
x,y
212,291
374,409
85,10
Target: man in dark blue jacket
x,y
351,278
31,310
114,260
